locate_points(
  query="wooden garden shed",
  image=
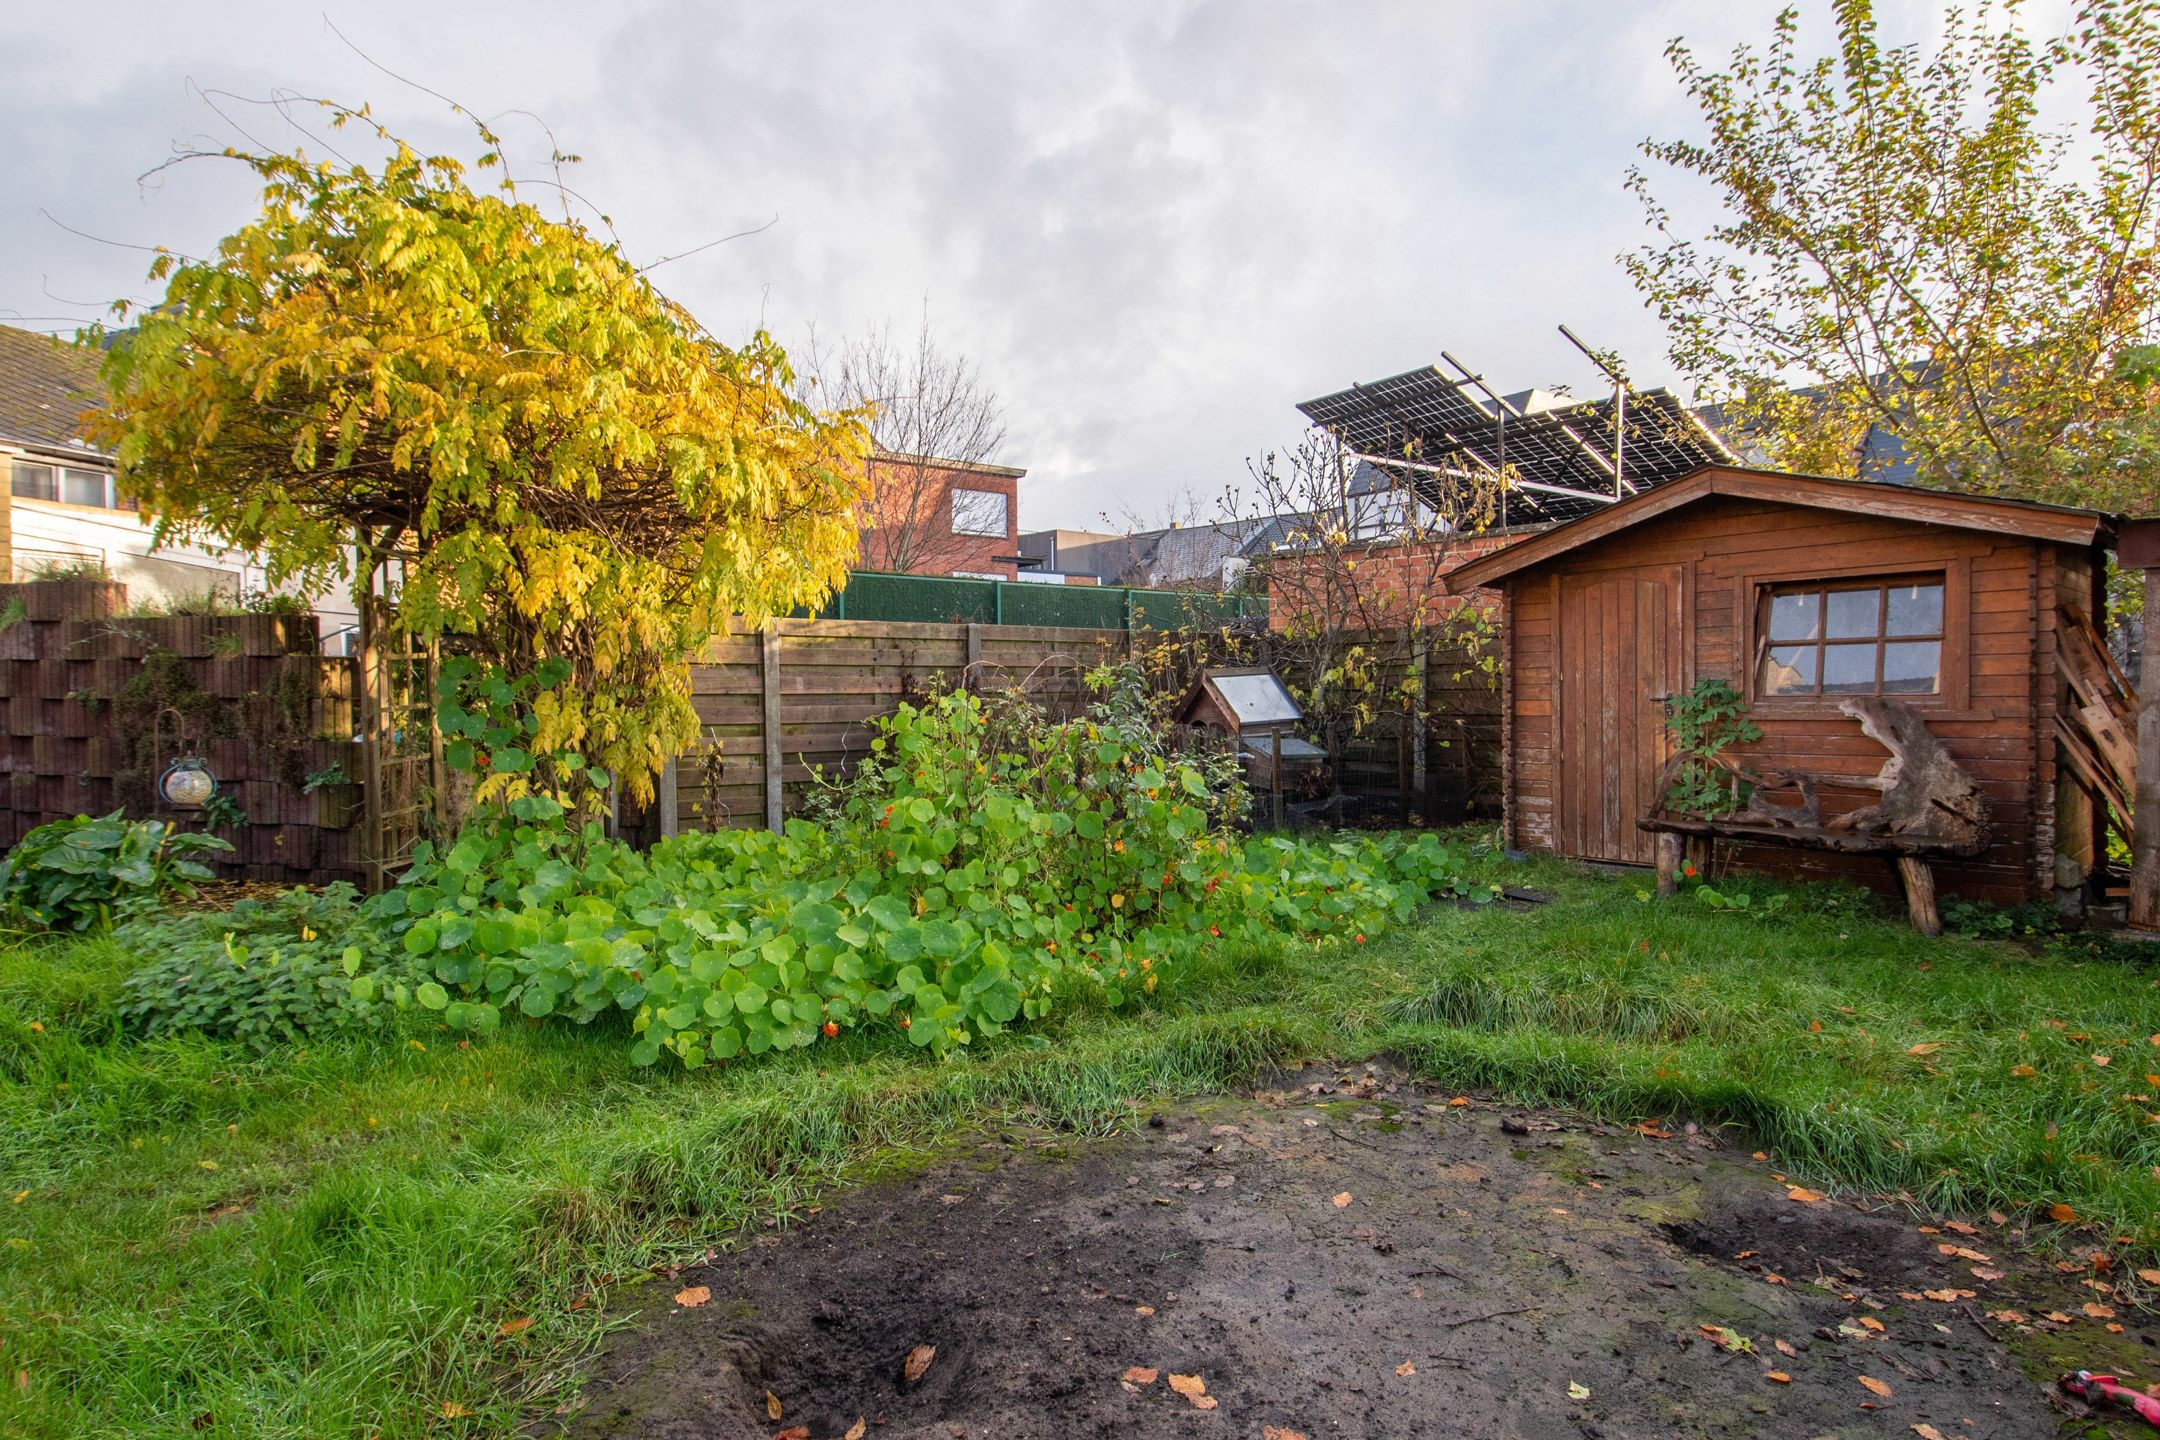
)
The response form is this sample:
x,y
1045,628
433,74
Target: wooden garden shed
x,y
1804,593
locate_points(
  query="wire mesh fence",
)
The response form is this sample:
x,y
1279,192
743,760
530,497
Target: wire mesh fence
x,y
937,600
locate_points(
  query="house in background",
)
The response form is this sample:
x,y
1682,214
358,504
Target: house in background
x,y
64,513
932,516
1177,557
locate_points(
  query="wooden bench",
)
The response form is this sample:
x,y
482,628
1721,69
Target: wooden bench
x,y
1930,810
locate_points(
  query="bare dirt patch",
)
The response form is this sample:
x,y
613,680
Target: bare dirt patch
x,y
1348,1254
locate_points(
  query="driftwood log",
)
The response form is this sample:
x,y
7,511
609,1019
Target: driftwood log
x,y
1926,794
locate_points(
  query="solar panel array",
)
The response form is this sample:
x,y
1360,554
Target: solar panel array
x,y
1428,419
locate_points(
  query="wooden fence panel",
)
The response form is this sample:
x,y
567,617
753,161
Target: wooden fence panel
x,y
801,709
811,720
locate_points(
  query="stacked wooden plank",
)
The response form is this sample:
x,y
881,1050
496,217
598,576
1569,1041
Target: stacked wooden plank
x,y
2096,732
68,654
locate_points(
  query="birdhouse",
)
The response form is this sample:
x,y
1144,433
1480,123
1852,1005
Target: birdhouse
x,y
1255,711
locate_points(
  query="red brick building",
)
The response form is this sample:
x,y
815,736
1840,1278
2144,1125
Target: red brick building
x,y
1392,581
928,516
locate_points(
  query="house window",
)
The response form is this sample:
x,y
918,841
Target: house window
x,y
978,512
1864,637
34,482
66,484
85,487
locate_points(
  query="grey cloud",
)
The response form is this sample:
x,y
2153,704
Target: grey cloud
x,y
1155,225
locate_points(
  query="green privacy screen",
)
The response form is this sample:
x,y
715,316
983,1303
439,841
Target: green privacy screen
x,y
933,599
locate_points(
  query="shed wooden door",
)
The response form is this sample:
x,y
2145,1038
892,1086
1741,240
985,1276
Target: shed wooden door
x,y
1622,638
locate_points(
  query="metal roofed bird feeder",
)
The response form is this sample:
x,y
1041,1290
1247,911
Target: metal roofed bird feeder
x,y
1252,706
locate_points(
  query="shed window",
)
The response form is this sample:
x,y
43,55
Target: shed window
x,y
1866,637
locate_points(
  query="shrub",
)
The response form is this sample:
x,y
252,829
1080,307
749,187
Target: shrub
x,y
263,972
982,862
72,567
86,872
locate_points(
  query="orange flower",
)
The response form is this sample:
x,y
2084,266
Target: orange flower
x,y
1689,871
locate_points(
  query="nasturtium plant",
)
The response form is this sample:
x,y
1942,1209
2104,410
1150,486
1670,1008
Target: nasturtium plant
x,y
983,864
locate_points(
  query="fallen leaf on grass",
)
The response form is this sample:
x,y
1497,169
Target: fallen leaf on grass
x,y
1576,1390
1193,1388
692,1296
1646,1128
1927,1432
2061,1214
1143,1309
1406,1369
917,1364
2150,1277
512,1327
1785,1347
1803,1195
2099,1311
1727,1338
1962,1252
1948,1297
1277,1432
858,1429
1140,1375
2022,1072
772,1405
2057,1316
1341,1200
793,1432
451,1410
1872,1323
1877,1387
1778,1376
2103,1060
1457,1103
1925,1047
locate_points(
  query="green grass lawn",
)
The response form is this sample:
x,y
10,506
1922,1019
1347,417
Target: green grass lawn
x,y
327,1243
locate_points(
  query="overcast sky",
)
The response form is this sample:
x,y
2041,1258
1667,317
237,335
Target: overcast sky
x,y
1155,226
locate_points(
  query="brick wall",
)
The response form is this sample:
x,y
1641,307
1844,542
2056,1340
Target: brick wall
x,y
1395,582
908,524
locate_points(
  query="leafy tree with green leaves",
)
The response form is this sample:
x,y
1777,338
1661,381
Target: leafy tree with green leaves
x,y
389,373
1904,245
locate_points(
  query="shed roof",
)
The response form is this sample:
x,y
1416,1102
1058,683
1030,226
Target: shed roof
x,y
2062,524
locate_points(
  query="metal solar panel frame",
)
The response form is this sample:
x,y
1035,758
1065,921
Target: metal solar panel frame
x,y
1440,433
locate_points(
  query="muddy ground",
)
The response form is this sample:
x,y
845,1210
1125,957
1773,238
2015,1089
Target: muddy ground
x,y
1346,1254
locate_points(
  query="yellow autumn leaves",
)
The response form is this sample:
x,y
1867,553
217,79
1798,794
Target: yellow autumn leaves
x,y
385,361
